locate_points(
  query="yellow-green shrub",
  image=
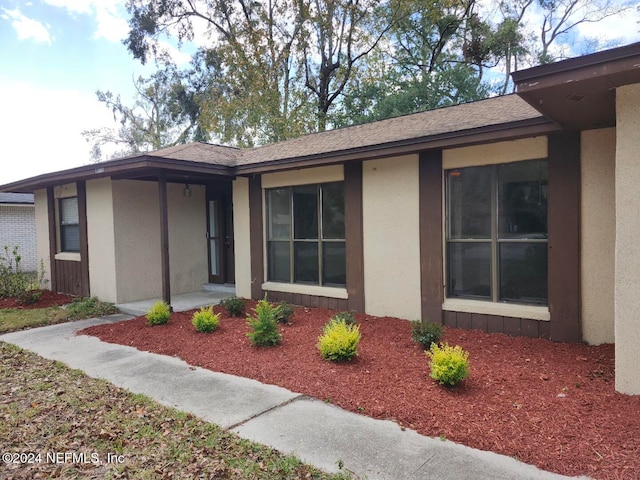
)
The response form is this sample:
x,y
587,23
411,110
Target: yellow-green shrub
x,y
205,320
339,341
449,365
159,313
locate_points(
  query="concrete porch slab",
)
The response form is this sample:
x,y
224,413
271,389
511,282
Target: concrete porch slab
x,y
182,301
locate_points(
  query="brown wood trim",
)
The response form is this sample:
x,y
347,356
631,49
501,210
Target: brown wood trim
x,y
314,301
164,238
354,235
431,256
69,277
81,189
564,237
51,214
255,236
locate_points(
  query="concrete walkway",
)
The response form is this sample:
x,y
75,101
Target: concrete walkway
x,y
317,433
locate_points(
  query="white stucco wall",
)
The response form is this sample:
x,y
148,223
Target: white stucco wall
x,y
241,237
42,235
391,237
627,247
598,235
101,240
137,239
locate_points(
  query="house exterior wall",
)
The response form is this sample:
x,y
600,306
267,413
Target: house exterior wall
x,y
137,239
391,237
18,228
241,234
42,234
101,240
627,247
598,232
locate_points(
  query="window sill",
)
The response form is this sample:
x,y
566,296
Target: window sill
x,y
70,256
501,309
331,292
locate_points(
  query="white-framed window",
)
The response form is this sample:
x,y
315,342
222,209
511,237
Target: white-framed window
x,y
69,225
306,234
497,232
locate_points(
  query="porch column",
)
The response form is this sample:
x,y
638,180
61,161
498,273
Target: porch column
x,y
627,246
164,238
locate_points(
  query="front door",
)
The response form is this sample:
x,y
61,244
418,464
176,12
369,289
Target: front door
x,y
220,235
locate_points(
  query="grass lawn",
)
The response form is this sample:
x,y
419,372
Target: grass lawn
x,y
78,427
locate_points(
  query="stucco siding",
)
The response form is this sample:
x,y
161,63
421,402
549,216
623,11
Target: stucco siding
x,y
137,239
627,247
495,153
306,176
101,240
598,227
241,234
391,237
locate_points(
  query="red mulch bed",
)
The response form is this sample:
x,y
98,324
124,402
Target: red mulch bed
x,y
47,299
545,403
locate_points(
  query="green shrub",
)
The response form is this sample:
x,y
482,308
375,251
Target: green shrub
x,y
283,312
159,313
205,320
449,365
339,341
13,281
234,306
264,328
83,307
426,333
348,317
30,296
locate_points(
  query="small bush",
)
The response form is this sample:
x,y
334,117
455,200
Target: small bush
x,y
234,306
159,313
426,333
449,365
30,296
264,328
13,281
348,317
205,320
283,312
339,341
83,307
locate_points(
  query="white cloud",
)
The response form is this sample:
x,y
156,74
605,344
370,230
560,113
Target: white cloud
x,y
109,14
28,28
44,127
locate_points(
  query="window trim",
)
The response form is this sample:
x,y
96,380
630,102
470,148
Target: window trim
x,y
61,227
292,241
453,301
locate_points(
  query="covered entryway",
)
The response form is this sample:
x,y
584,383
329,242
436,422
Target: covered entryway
x,y
220,233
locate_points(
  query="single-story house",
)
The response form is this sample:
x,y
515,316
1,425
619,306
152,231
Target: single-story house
x,y
514,214
18,228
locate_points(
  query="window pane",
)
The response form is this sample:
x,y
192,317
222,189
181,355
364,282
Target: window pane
x,y
70,237
279,208
213,245
469,207
333,263
522,200
333,210
69,211
278,265
523,272
305,212
305,262
470,269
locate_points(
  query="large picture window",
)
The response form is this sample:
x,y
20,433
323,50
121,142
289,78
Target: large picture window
x,y
69,225
497,232
305,234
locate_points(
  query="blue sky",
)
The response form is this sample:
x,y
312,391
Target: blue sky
x,y
54,55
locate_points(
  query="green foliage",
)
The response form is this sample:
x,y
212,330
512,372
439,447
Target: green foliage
x,y
449,365
83,307
339,341
348,317
234,306
13,281
30,296
426,333
205,320
159,313
264,328
283,312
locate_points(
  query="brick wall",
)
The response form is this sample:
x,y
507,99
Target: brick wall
x,y
18,227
